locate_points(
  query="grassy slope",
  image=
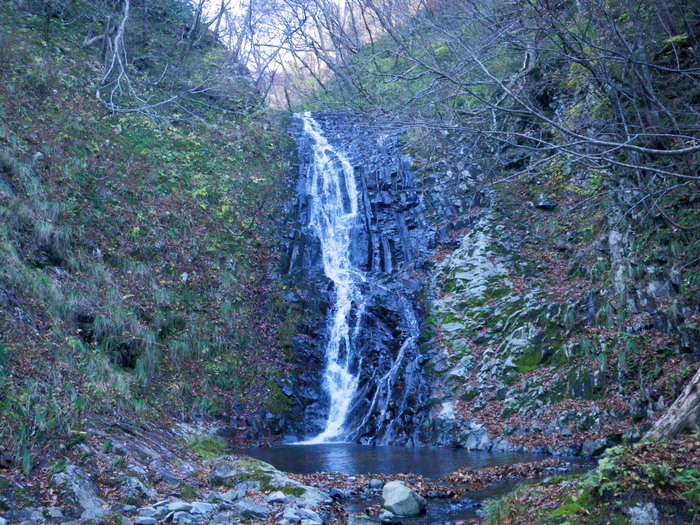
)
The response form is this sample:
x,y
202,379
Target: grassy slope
x,y
135,254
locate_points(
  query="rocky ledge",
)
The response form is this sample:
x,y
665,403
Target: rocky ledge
x,y
120,475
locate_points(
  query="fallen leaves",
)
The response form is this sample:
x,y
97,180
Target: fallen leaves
x,y
476,479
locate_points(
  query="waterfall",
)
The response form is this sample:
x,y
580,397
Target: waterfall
x,y
363,231
333,216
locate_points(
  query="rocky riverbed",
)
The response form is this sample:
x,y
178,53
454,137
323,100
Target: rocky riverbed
x,y
121,474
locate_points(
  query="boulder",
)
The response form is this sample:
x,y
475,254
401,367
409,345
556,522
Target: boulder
x,y
291,515
337,494
200,507
644,514
276,497
75,484
179,506
145,520
224,472
401,500
308,515
224,518
247,508
146,512
184,518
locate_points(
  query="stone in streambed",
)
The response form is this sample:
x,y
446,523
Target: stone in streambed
x,y
401,500
362,519
375,483
387,517
337,494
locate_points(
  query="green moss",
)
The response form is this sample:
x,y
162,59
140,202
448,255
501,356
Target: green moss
x,y
208,446
530,359
266,480
277,401
288,490
568,510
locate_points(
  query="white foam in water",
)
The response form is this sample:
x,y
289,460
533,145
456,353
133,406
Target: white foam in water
x,y
333,217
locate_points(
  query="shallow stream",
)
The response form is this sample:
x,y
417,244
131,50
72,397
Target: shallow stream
x,y
431,463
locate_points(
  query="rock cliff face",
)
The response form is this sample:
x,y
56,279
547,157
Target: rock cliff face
x,y
389,245
525,343
542,338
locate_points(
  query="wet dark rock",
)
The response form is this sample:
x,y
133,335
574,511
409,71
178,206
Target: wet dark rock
x,y
337,494
376,483
390,245
362,519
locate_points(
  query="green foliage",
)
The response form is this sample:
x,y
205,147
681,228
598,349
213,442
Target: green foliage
x,y
208,446
689,480
135,246
59,466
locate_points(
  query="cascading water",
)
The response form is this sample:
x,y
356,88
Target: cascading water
x,y
362,227
333,217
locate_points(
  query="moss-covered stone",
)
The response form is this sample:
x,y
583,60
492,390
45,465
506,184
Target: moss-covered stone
x,y
530,359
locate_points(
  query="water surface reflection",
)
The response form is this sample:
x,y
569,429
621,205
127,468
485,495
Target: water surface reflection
x,y
350,458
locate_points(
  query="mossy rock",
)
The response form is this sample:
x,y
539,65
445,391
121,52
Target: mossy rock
x,y
231,471
530,359
13,495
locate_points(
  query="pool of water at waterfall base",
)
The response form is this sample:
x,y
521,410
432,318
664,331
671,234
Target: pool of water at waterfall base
x,y
432,463
350,458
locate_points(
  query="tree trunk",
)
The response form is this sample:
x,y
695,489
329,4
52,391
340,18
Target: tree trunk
x,y
683,414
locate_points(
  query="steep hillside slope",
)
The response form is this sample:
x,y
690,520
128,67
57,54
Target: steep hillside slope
x,y
138,218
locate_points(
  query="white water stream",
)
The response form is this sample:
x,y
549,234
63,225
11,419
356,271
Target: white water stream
x,y
333,218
